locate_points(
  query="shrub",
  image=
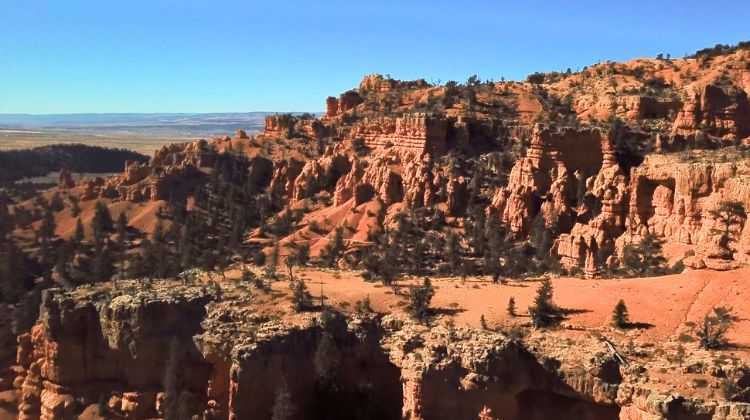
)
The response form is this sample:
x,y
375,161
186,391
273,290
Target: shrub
x,y
712,332
536,78
511,306
360,148
363,306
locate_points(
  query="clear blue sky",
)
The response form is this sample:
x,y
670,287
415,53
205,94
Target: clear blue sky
x,y
221,55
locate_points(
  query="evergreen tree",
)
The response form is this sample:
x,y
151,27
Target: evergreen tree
x,y
300,254
728,215
48,226
157,253
274,262
101,224
543,312
475,231
13,272
420,298
247,275
495,247
122,226
45,233
620,318
332,251
301,297
78,236
644,258
327,358
453,253
102,265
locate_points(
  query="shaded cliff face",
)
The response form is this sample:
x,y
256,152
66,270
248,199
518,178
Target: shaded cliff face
x,y
175,351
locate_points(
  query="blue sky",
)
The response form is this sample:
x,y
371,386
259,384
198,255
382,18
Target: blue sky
x,y
223,55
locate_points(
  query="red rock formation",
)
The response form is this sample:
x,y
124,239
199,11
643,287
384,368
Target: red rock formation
x,y
278,124
284,175
286,125
722,111
627,107
671,196
377,83
417,132
348,100
557,167
332,107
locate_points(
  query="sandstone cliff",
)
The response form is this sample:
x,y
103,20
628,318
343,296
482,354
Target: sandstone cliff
x,y
174,350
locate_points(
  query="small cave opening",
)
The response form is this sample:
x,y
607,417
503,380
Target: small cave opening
x,y
582,152
651,194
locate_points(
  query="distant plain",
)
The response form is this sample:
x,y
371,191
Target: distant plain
x,y
143,133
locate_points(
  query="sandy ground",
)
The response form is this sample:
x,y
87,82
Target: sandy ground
x,y
661,305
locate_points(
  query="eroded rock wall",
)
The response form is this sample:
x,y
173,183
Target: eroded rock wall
x,y
168,352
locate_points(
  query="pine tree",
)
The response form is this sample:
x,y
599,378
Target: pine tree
x,y
300,254
494,249
679,355
274,262
102,266
45,233
620,318
327,358
157,254
333,249
102,223
48,226
727,215
543,312
301,297
476,231
644,258
173,382
78,235
122,226
420,298
453,253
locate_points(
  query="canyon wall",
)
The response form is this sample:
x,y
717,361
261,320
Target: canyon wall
x,y
176,351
